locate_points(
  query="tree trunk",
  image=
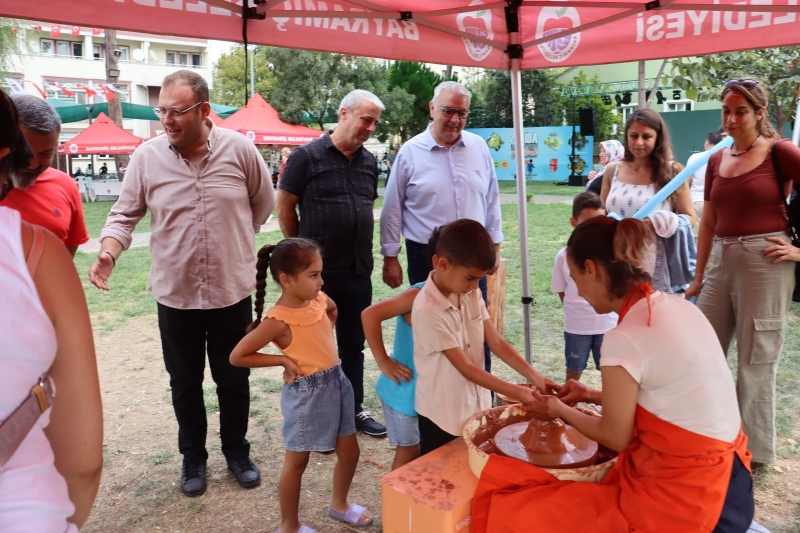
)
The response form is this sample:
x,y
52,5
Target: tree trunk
x,y
448,73
115,105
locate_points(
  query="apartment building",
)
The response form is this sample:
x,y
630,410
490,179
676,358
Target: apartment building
x,y
76,55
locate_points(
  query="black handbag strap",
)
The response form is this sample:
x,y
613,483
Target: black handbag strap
x,y
782,191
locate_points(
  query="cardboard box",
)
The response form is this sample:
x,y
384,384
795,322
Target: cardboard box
x,y
430,495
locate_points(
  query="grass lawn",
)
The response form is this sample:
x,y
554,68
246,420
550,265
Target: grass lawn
x,y
540,187
548,229
95,214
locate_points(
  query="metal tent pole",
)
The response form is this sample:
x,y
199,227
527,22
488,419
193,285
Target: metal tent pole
x,y
515,54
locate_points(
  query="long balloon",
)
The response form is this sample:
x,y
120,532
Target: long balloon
x,y
678,180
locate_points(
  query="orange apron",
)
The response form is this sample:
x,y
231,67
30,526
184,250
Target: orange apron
x,y
667,479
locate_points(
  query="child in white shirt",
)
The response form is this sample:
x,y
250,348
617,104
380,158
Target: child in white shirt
x,y
583,327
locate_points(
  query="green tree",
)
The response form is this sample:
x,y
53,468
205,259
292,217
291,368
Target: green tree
x,y
492,103
777,68
604,114
418,81
12,42
229,85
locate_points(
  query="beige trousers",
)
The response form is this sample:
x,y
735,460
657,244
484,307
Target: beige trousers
x,y
698,216
747,296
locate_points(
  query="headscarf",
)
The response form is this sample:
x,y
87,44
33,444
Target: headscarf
x,y
614,150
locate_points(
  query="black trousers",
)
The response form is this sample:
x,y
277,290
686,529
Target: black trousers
x,y
352,294
431,436
418,271
186,336
739,507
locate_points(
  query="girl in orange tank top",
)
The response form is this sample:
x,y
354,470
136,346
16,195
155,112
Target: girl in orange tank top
x,y
317,399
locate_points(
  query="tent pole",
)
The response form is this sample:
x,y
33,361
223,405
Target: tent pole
x,y
796,131
522,201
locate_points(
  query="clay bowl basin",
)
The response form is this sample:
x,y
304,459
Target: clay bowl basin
x,y
476,437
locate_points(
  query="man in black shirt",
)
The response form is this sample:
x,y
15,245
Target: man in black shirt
x,y
334,182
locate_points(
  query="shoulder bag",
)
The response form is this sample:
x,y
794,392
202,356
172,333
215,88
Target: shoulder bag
x,y
792,214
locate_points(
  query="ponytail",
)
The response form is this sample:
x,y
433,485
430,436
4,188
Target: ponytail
x,y
290,256
262,265
619,247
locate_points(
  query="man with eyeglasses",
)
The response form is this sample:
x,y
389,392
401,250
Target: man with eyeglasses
x,y
209,192
333,181
441,175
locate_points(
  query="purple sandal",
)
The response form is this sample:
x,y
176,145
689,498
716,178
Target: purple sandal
x,y
352,516
303,529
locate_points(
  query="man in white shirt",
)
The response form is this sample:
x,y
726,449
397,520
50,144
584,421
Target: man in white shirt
x,y
699,179
439,176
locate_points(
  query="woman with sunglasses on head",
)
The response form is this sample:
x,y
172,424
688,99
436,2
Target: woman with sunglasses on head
x,y
50,457
646,167
748,289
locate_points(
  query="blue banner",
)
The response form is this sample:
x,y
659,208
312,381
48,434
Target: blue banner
x,y
547,152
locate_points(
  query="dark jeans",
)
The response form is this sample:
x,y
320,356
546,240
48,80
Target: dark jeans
x,y
418,270
186,336
352,294
432,436
739,507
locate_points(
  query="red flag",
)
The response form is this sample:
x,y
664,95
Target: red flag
x,y
96,31
61,88
41,91
89,90
76,30
108,93
55,31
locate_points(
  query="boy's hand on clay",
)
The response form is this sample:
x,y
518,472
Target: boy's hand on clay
x,y
545,385
542,407
395,371
523,394
291,372
573,392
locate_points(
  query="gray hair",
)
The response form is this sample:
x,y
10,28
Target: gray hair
x,y
36,114
451,86
353,100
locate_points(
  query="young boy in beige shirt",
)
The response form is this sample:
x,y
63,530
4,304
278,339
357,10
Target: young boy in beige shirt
x,y
450,325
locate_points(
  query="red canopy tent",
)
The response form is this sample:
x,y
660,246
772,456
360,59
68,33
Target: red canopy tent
x,y
102,137
260,122
216,119
512,34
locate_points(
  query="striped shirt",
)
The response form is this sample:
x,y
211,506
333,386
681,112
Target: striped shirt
x,y
337,196
203,220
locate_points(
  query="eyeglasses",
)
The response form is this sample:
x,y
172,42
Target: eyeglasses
x,y
450,111
172,113
747,83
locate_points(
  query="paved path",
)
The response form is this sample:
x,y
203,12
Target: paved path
x,y
143,239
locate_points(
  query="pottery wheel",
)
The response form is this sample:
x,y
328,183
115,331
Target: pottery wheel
x,y
548,444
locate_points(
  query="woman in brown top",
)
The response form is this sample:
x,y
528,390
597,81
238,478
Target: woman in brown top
x,y
748,289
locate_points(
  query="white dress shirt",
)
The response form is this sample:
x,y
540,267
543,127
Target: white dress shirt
x,y
432,185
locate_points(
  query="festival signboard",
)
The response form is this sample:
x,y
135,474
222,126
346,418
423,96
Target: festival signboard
x,y
547,152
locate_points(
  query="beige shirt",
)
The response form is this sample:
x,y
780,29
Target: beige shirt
x,y
443,394
203,220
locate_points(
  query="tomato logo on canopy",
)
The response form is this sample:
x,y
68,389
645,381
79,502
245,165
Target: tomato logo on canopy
x,y
478,23
553,21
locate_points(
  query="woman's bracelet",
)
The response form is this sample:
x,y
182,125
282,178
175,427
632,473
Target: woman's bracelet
x,y
113,259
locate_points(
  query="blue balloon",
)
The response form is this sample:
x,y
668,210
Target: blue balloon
x,y
680,179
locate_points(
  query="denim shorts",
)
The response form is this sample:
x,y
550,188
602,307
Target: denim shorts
x,y
403,430
316,410
577,348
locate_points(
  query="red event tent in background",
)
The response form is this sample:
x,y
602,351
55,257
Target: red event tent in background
x,y
102,137
260,123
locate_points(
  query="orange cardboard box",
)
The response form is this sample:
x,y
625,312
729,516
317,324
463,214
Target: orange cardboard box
x,y
430,495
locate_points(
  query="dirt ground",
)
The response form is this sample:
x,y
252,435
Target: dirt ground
x,y
140,493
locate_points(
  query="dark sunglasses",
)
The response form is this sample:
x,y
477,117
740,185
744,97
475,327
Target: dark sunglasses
x,y
747,83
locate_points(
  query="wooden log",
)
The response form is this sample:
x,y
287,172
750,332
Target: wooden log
x,y
496,295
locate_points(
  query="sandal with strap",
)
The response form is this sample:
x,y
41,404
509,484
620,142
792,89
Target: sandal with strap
x,y
352,516
303,529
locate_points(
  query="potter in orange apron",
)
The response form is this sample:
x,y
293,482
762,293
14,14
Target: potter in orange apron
x,y
668,479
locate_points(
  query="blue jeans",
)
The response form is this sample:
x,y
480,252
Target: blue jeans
x,y
418,271
577,348
403,430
